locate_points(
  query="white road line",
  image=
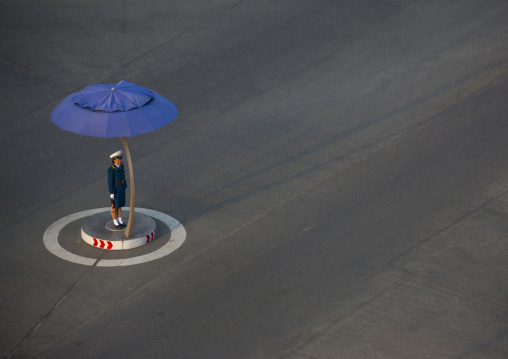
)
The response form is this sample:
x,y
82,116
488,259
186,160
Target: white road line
x,y
177,238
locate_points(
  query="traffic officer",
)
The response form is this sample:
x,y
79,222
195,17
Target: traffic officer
x,y
117,186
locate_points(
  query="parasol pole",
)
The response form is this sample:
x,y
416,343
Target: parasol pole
x,y
130,223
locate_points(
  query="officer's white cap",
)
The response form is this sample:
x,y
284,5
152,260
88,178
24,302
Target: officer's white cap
x,y
116,154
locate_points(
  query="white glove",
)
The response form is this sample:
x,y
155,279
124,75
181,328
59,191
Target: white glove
x,y
112,196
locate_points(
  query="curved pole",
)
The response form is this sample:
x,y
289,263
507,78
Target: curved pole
x,y
130,223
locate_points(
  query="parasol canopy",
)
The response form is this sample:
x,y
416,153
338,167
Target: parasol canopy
x,y
113,110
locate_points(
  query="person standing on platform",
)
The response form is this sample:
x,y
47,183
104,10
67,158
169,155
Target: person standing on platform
x,y
117,186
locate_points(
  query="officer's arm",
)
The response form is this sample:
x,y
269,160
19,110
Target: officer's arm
x,y
110,181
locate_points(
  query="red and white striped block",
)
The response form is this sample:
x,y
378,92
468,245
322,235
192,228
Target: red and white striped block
x,y
119,244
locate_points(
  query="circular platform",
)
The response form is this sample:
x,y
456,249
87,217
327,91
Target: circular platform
x,y
99,231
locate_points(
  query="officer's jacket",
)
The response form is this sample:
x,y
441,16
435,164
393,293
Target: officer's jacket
x,y
116,174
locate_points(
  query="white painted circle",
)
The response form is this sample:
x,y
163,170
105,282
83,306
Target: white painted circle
x,y
177,238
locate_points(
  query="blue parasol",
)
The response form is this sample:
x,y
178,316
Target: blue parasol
x,y
115,110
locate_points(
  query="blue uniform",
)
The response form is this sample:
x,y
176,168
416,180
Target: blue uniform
x,y
117,184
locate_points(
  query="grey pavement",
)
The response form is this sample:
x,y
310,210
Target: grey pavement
x,y
340,169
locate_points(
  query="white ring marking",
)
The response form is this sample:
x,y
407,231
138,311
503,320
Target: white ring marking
x,y
177,238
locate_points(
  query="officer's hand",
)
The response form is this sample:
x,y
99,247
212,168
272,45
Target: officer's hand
x,y
112,196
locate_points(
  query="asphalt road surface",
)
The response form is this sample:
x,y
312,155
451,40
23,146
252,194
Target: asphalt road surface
x,y
340,169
